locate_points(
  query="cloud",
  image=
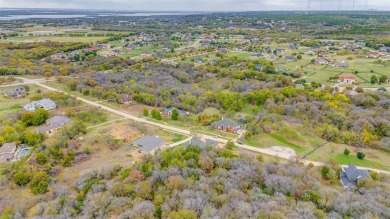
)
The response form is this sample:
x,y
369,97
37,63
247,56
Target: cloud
x,y
196,5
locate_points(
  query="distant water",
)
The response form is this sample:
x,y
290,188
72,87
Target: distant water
x,y
54,16
32,16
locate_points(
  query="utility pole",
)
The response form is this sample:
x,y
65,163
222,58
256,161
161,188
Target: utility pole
x,y
353,5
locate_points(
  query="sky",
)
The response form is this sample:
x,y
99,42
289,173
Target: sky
x,y
197,5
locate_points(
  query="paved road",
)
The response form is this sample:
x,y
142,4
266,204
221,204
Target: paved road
x,y
276,151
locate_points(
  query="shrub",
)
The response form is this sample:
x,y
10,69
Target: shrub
x,y
39,183
346,152
41,158
324,172
175,114
360,155
230,145
21,178
146,112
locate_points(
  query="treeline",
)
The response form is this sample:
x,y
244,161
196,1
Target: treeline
x,y
193,182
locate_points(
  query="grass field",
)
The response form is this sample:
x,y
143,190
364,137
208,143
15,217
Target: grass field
x,y
8,105
55,38
334,152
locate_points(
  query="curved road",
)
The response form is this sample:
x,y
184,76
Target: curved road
x,y
268,151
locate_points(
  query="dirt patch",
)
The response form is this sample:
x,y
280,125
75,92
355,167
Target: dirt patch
x,y
124,132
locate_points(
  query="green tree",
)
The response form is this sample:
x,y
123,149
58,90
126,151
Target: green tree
x,y
360,155
146,112
230,145
21,178
175,114
40,183
41,158
383,79
346,151
324,172
67,161
299,56
373,79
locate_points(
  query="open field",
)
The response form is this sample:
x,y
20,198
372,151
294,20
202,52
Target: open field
x,y
9,105
334,152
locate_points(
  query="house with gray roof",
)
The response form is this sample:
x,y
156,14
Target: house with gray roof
x,y
53,124
167,112
290,58
15,93
350,175
197,142
7,151
226,125
149,144
46,104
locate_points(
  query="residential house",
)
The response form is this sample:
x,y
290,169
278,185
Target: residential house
x,y
199,60
272,57
103,46
46,104
257,55
350,176
279,69
290,58
255,40
213,62
226,125
224,50
374,55
114,52
146,54
60,55
239,49
342,64
149,144
15,93
321,61
310,53
7,151
267,50
293,46
384,49
167,112
167,48
347,79
91,49
212,143
206,43
259,67
301,86
267,39
196,142
279,51
132,47
210,75
159,54
53,124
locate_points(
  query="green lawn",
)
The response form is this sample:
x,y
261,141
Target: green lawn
x,y
9,105
334,152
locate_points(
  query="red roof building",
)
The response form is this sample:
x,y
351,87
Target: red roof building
x,y
347,79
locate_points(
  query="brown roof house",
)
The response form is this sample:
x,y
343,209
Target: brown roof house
x,y
7,152
226,125
53,124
